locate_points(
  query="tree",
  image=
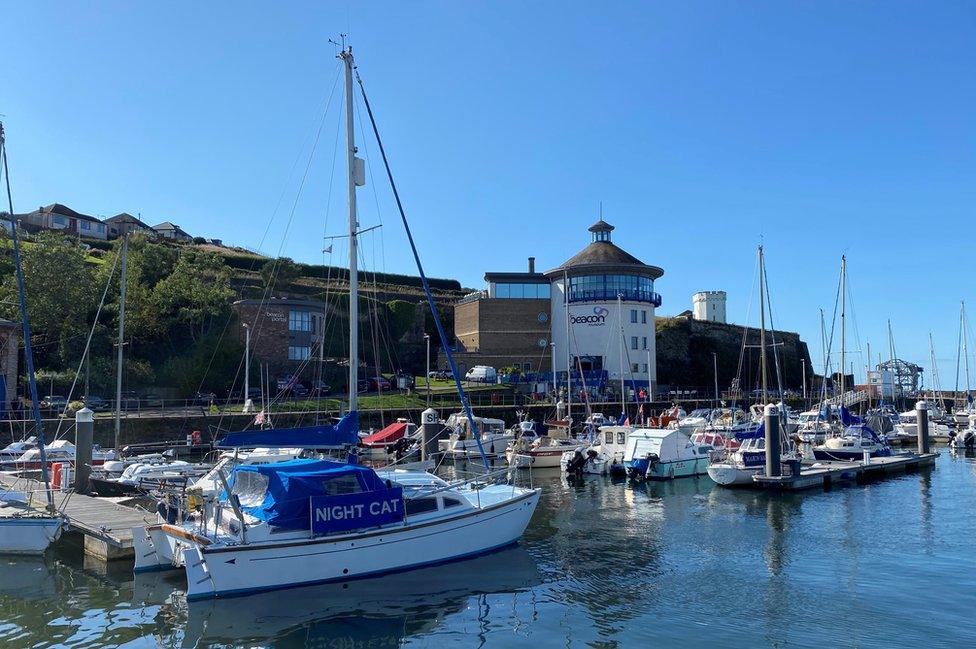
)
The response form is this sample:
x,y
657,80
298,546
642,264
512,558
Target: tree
x,y
195,296
60,293
279,273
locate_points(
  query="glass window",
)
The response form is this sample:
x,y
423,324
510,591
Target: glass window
x,y
644,342
250,487
633,342
621,437
85,225
299,320
633,316
609,437
645,368
421,505
502,290
298,353
643,317
100,227
451,502
634,368
60,221
347,484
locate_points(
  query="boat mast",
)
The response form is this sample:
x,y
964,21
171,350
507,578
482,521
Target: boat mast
x,y
121,342
346,56
28,351
843,322
569,359
762,328
965,347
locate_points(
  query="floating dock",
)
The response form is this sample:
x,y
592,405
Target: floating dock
x,y
106,523
825,473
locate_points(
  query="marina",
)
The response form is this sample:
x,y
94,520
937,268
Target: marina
x,y
603,561
548,349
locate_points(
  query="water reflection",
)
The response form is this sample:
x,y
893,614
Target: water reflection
x,y
378,612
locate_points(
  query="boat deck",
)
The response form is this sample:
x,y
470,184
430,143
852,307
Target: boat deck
x,y
824,473
106,523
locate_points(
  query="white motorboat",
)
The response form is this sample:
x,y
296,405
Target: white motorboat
x,y
604,456
748,460
664,454
542,453
57,451
696,421
964,439
494,437
907,427
16,449
816,425
856,440
353,520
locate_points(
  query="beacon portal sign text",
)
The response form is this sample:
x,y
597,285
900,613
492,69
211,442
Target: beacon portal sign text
x,y
332,514
596,319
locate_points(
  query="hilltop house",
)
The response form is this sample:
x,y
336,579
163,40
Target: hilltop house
x,y
124,223
60,217
171,231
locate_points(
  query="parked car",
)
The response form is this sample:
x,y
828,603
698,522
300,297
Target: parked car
x,y
130,400
440,375
96,403
54,402
204,398
320,388
153,401
380,383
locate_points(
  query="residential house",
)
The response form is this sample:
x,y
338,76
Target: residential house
x,y
62,218
172,231
9,341
124,223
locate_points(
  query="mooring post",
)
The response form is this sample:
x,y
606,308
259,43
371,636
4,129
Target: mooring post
x,y
773,455
430,428
84,432
922,416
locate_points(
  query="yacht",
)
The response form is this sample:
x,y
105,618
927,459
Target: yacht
x,y
24,528
16,449
354,521
856,440
907,427
57,451
964,439
494,437
815,425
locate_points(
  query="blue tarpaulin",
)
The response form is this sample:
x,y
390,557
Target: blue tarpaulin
x,y
280,493
848,419
344,433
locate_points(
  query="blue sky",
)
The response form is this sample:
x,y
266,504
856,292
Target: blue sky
x,y
818,128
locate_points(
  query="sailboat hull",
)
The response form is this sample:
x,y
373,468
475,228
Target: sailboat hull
x,y
28,535
238,569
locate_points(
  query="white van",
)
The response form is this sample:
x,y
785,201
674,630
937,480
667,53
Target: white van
x,y
481,374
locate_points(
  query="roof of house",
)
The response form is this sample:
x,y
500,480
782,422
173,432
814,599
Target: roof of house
x,y
64,210
169,225
125,217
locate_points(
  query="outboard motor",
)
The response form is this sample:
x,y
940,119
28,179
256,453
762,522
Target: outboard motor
x,y
969,440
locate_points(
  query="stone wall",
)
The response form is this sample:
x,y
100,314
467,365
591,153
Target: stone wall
x,y
685,347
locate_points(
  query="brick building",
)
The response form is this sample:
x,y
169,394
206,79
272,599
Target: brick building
x,y
9,345
284,332
595,312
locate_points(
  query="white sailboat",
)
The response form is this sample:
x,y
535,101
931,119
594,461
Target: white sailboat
x,y
308,521
749,459
25,529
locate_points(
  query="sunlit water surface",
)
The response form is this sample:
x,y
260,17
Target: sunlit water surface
x,y
603,563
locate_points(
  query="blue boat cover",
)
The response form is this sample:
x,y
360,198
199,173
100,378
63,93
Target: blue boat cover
x,y
288,486
344,433
758,432
848,419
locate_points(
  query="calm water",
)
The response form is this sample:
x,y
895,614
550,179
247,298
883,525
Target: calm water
x,y
603,564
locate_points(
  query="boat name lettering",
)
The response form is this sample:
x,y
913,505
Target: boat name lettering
x,y
356,511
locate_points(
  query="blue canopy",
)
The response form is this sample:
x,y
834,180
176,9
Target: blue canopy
x,y
286,488
848,419
344,433
759,432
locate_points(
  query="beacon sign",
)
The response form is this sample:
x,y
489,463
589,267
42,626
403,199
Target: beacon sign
x,y
596,319
357,511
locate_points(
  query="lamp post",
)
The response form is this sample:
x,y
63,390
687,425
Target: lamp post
x,y
427,375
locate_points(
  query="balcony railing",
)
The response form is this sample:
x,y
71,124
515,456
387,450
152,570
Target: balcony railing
x,y
607,295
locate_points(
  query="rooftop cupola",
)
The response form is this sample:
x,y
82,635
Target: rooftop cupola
x,y
601,230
